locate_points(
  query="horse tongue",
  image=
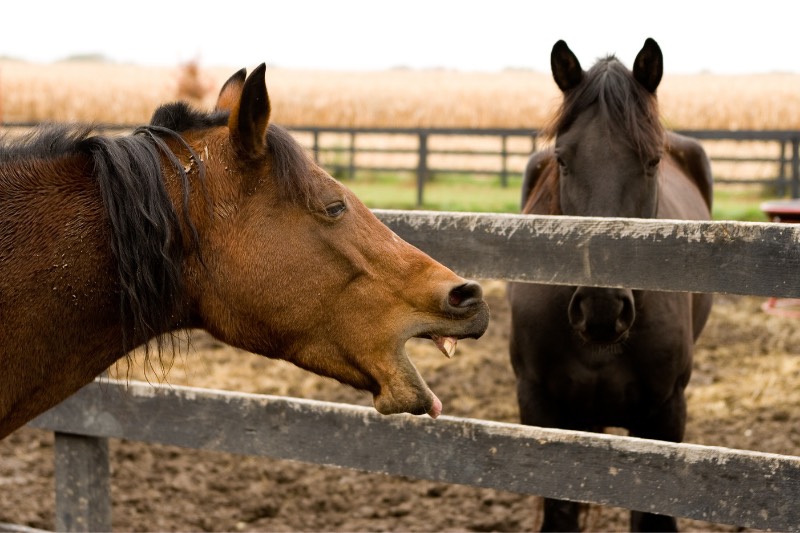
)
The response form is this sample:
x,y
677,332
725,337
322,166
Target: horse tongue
x,y
446,344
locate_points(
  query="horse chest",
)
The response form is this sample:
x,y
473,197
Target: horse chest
x,y
606,386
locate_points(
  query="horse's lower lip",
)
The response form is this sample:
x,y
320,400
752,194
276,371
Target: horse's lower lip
x,y
436,407
427,403
598,347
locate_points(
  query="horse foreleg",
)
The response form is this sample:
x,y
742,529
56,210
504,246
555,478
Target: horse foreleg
x,y
558,515
667,424
652,522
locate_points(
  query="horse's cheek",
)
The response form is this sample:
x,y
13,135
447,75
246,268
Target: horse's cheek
x,y
284,287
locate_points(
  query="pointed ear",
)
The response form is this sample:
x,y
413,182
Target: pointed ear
x,y
649,65
231,92
249,119
566,68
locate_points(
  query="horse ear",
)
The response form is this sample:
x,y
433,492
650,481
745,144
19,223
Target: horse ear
x,y
649,65
231,92
249,119
566,68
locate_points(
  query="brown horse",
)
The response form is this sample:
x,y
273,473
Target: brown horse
x,y
588,358
207,220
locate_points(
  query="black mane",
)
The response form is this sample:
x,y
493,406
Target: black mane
x,y
145,230
632,110
146,234
46,142
181,117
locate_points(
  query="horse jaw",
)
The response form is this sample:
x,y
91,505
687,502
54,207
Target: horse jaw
x,y
406,391
403,390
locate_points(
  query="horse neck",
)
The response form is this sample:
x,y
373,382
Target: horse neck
x,y
544,198
58,298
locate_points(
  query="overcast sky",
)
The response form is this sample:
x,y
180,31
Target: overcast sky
x,y
695,36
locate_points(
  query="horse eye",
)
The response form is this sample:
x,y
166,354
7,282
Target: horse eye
x,y
561,164
653,163
336,209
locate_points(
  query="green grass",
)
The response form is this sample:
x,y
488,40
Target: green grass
x,y
485,194
742,204
443,193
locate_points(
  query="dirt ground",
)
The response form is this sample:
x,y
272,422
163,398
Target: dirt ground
x,y
744,393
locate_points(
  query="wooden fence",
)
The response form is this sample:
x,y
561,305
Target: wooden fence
x,y
707,483
502,153
347,152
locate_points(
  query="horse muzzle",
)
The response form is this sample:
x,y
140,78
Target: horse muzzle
x,y
463,314
601,316
466,316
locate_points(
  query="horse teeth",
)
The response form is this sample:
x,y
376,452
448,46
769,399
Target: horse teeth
x,y
447,345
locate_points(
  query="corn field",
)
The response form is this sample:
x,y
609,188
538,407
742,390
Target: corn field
x,y
117,93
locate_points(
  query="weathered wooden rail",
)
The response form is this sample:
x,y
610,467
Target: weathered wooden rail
x,y
745,488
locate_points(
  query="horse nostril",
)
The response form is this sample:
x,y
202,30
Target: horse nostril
x,y
465,295
576,313
626,316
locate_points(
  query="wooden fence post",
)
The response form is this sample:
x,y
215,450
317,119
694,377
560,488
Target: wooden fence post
x,y
795,167
422,166
315,147
351,171
83,495
780,187
504,160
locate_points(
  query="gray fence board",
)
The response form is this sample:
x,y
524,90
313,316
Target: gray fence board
x,y
748,258
707,483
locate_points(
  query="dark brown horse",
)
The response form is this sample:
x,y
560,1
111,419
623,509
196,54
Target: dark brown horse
x,y
588,358
207,220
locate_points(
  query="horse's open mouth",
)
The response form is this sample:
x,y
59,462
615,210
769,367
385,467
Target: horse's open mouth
x,y
402,389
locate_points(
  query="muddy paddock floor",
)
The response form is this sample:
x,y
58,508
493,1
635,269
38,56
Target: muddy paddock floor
x,y
744,393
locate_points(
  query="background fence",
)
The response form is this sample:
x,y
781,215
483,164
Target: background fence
x,y
769,159
745,488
